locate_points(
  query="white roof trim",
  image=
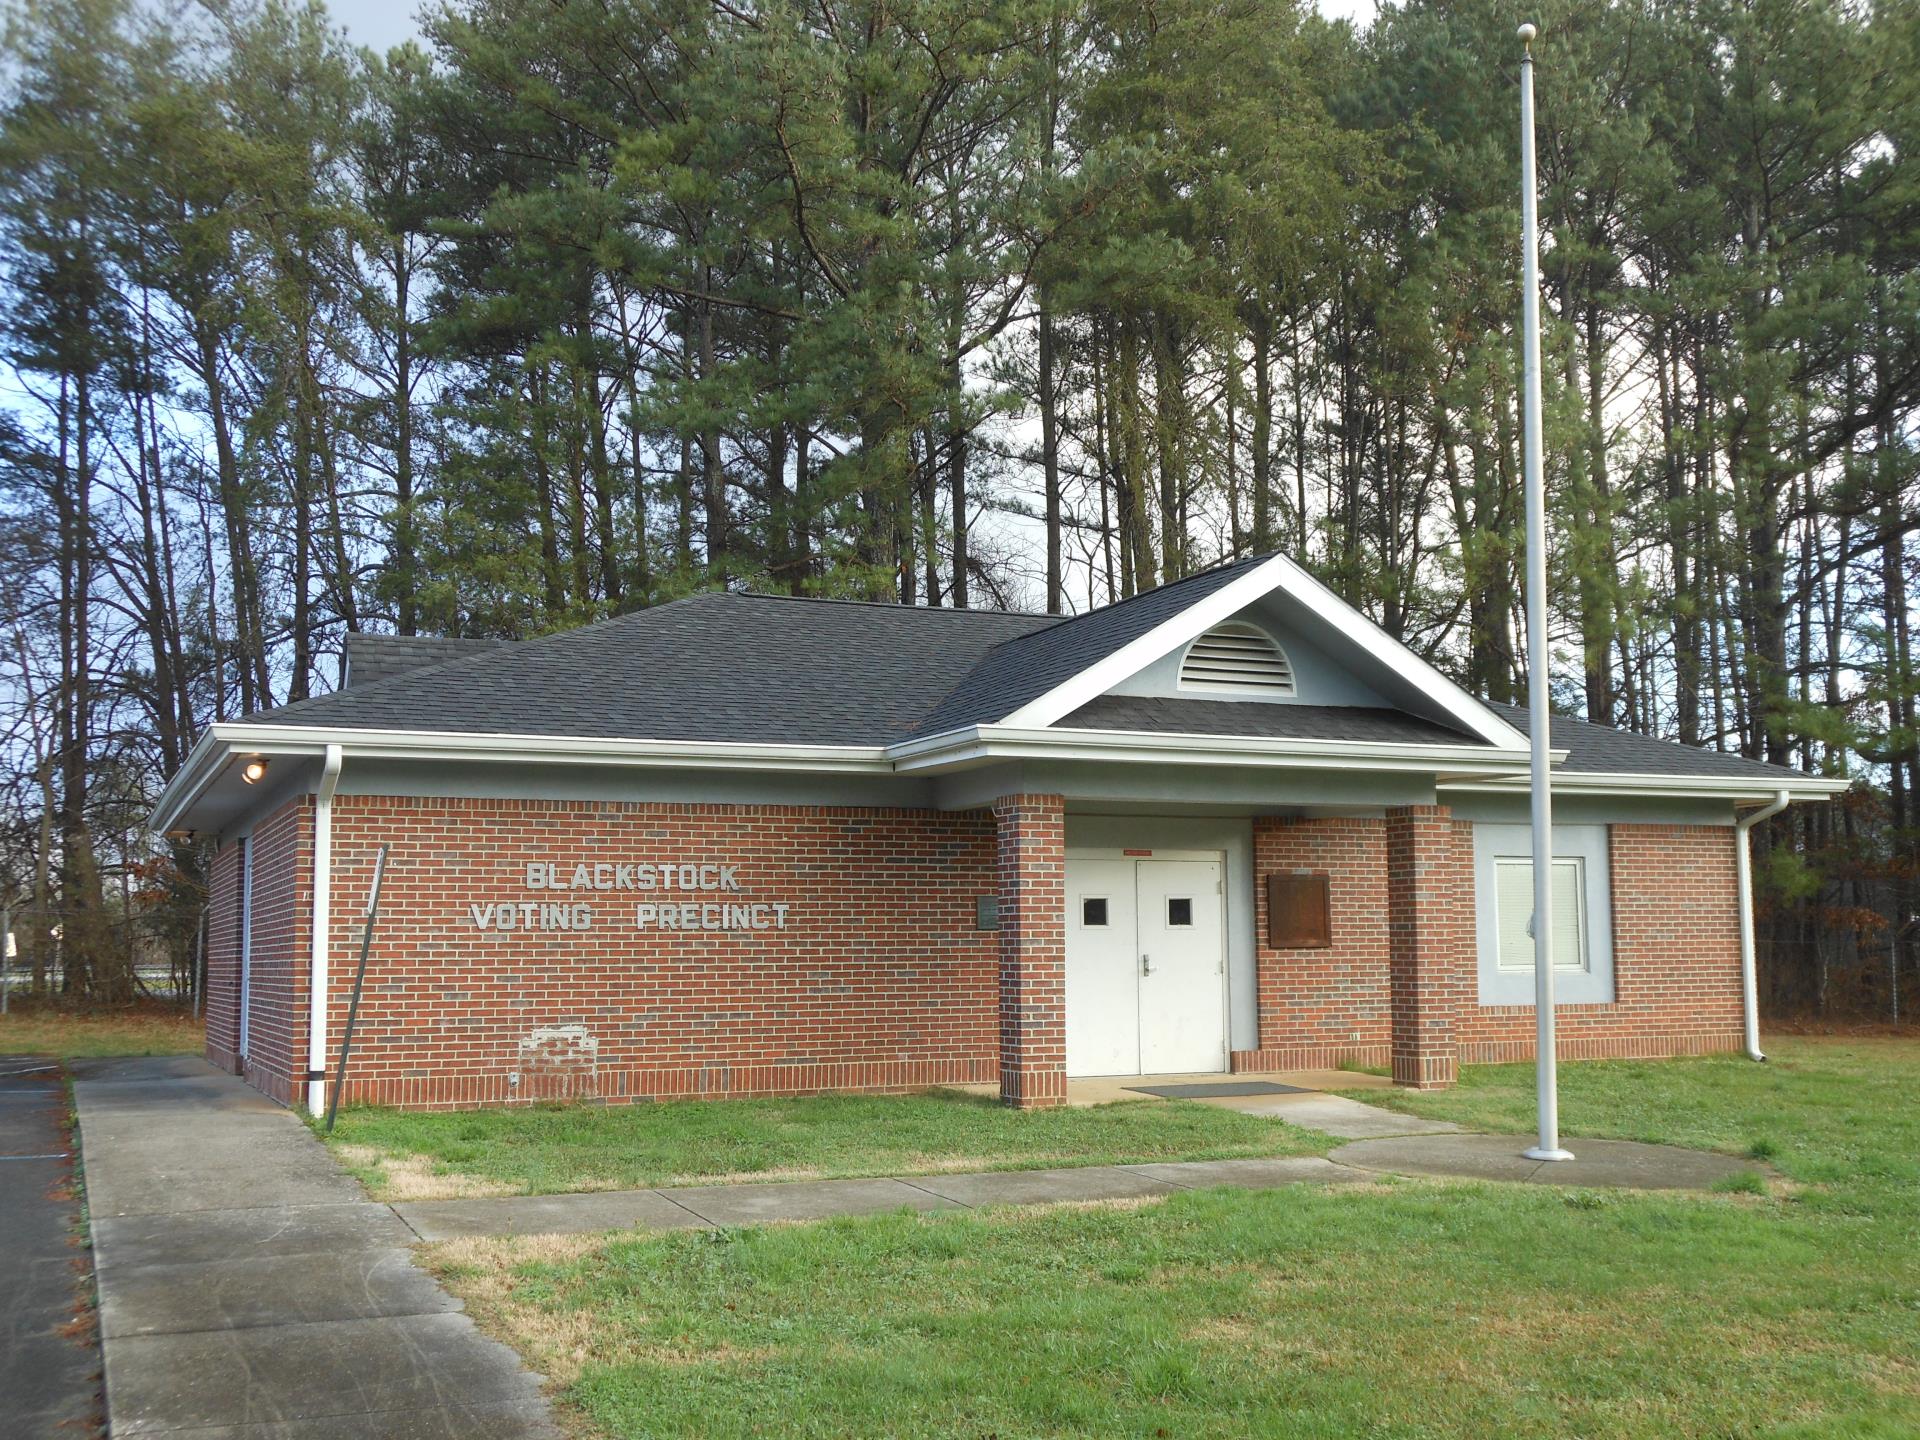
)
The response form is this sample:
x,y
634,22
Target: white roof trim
x,y
1468,767
979,743
1606,782
187,782
1278,573
223,741
502,745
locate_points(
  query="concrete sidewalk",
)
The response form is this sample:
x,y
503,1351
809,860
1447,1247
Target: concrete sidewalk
x,y
752,1204
1600,1164
1384,1143
727,1205
248,1289
1334,1115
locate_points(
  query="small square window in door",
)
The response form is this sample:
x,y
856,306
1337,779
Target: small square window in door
x,y
1093,912
1179,911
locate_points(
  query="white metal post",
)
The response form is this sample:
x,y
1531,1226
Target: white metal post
x,y
1743,882
1538,666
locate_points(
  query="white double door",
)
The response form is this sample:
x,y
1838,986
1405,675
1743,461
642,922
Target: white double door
x,y
1146,966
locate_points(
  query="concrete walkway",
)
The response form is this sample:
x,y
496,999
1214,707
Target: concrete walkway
x,y
1385,1143
1435,1153
1625,1164
727,1205
676,1208
248,1289
1335,1115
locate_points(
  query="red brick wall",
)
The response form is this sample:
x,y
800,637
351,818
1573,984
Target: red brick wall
x,y
1321,1007
282,916
1676,956
1032,845
1675,942
879,981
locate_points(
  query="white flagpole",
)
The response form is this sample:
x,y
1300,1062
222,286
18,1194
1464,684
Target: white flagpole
x,y
1537,661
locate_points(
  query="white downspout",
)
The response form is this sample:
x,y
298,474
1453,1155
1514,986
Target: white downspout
x,y
322,911
1743,867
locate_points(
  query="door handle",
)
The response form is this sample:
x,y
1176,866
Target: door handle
x,y
1146,963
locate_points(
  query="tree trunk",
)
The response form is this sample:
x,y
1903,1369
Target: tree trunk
x,y
1261,325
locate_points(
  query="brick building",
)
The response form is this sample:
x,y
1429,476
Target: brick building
x,y
747,844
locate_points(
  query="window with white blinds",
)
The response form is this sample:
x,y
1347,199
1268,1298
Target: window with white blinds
x,y
1582,913
1513,889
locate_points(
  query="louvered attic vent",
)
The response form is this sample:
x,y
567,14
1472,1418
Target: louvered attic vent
x,y
1239,658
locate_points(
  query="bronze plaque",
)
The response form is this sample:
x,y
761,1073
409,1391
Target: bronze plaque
x,y
1298,914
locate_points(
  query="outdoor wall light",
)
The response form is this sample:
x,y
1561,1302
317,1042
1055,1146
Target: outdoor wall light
x,y
253,771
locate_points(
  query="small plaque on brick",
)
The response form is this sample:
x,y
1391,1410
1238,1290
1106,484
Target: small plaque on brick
x,y
1298,912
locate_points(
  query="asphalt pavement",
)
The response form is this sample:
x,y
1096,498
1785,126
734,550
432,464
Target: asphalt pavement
x,y
49,1358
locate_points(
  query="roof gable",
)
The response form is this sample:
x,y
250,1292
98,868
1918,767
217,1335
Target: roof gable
x,y
1026,670
1040,679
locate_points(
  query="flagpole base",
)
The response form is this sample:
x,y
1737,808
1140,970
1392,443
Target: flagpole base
x,y
1534,1152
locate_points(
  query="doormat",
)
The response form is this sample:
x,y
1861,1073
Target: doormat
x,y
1217,1090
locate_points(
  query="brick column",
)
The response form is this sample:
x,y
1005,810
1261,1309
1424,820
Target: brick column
x,y
1424,937
1033,949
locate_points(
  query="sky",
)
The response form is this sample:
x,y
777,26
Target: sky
x,y
381,24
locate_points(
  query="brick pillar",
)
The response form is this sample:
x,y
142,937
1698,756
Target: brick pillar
x,y
1424,937
1033,949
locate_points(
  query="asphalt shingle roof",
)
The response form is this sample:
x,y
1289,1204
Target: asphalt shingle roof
x,y
718,667
1170,716
1597,750
727,668
373,658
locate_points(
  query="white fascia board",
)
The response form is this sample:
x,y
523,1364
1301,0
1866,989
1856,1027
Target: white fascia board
x,y
1735,787
1278,573
1360,631
204,762
981,743
225,740
554,749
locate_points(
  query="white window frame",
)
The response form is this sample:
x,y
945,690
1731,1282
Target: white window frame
x,y
1587,981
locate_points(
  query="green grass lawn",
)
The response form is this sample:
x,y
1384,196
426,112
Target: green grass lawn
x,y
1401,1310
38,1027
556,1148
